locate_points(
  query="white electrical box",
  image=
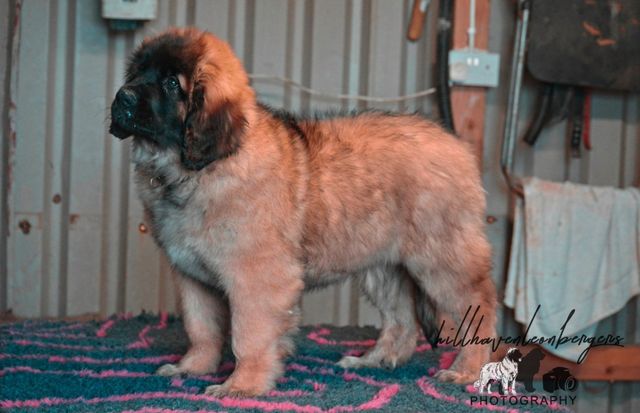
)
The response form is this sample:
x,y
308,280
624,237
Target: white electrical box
x,y
471,67
130,9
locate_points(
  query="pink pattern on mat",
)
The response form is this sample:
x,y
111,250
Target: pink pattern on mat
x,y
82,359
27,333
314,359
179,383
145,342
82,373
290,393
161,410
33,325
378,397
348,376
317,387
78,347
224,402
102,331
430,390
318,337
447,358
381,398
98,374
423,347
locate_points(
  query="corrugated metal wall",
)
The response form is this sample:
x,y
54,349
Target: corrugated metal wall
x,y
67,180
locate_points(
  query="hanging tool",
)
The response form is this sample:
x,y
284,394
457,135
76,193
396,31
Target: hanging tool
x,y
586,122
418,15
577,113
542,114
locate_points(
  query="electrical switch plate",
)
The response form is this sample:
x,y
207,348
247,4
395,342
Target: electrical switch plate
x,y
129,9
474,68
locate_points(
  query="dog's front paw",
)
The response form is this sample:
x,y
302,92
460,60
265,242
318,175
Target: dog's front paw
x,y
351,362
225,390
217,390
169,370
452,376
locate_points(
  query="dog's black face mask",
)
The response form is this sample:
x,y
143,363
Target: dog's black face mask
x,y
151,107
152,104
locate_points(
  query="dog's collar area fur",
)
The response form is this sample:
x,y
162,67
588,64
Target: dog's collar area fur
x,y
154,179
157,180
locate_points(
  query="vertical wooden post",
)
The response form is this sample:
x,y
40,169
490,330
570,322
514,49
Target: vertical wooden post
x,y
468,103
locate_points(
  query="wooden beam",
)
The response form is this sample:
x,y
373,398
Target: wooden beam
x,y
468,103
602,363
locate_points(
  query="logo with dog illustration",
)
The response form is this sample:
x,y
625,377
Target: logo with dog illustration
x,y
504,372
516,367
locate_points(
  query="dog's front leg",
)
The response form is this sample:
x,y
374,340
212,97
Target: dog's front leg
x,y
263,295
506,383
512,386
205,316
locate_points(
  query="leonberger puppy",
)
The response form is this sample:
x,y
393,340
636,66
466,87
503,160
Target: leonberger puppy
x,y
254,206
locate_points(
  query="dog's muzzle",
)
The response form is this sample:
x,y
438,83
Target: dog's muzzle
x,y
122,113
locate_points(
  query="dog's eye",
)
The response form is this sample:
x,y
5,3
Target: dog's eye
x,y
173,82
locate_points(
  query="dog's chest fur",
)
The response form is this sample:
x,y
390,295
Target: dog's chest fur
x,y
169,195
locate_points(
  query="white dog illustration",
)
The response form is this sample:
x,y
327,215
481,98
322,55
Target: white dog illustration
x,y
504,371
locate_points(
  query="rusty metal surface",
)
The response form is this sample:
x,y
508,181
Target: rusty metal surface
x,y
9,42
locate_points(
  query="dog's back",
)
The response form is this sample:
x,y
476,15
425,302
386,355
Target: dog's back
x,y
395,179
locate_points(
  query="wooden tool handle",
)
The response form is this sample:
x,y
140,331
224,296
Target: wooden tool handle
x,y
416,25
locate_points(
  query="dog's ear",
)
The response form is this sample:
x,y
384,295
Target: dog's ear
x,y
211,133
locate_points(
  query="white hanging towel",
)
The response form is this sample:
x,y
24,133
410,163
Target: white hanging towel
x,y
573,247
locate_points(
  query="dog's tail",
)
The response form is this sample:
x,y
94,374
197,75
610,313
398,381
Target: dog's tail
x,y
476,384
427,317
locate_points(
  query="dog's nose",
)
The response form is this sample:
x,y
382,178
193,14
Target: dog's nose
x,y
126,98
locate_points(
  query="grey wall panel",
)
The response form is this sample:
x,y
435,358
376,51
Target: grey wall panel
x,y
27,186
85,250
7,17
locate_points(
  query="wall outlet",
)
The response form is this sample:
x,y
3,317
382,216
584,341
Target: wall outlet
x,y
130,9
471,67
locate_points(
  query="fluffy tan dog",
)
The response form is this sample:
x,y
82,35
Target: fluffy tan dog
x,y
253,206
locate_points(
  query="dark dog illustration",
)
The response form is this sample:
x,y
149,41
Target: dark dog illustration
x,y
528,368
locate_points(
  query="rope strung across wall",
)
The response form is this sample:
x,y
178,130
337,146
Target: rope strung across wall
x,y
310,91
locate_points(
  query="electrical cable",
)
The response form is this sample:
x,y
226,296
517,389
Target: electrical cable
x,y
442,63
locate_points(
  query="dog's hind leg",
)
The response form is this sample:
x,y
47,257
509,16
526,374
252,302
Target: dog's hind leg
x,y
427,316
392,292
205,315
453,269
